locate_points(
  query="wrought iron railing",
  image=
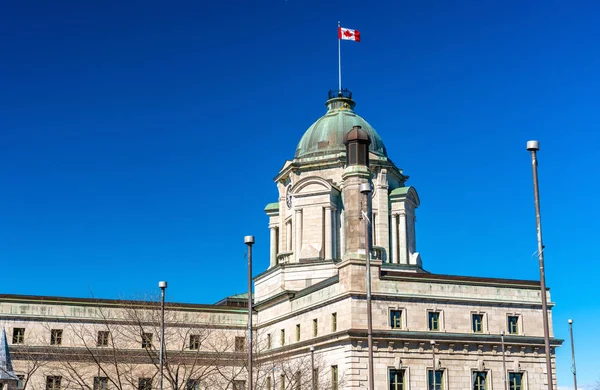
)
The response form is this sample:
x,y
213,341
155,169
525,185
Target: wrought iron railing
x,y
339,93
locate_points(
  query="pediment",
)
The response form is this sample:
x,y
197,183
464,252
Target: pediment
x,y
313,185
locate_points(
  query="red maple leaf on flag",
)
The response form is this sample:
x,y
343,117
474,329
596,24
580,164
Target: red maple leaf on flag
x,y
348,34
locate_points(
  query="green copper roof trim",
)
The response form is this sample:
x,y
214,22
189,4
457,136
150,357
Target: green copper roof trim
x,y
272,206
400,191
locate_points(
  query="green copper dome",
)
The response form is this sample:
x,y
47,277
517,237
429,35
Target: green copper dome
x,y
326,135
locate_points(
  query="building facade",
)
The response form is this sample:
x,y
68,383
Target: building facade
x,y
430,331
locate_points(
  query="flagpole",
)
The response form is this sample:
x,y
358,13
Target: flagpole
x,y
339,60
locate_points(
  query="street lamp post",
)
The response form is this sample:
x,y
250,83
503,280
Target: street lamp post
x,y
573,369
312,366
433,373
163,286
503,360
249,240
365,189
533,147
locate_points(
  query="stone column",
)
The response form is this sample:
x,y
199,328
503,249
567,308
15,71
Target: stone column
x,y
328,230
402,238
334,222
273,253
394,246
288,236
374,228
298,237
342,235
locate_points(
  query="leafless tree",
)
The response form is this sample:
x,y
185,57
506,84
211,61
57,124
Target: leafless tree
x,y
34,360
290,370
122,345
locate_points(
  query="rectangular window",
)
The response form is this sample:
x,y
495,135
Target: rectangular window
x,y
334,377
53,382
513,324
334,322
145,384
147,340
192,384
397,379
282,382
298,332
315,327
515,381
437,382
56,337
268,340
102,340
298,380
477,323
18,335
21,382
282,337
239,385
195,342
479,380
269,384
396,319
433,320
100,383
240,343
316,378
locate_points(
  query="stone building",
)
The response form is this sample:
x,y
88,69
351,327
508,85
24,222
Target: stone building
x,y
429,330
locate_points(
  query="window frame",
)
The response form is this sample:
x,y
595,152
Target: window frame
x,y
334,322
268,340
441,385
239,344
192,384
315,327
239,384
403,383
56,336
474,322
194,344
269,383
475,375
521,386
517,318
400,319
438,320
21,381
147,340
98,380
144,383
51,382
298,334
18,336
334,377
282,337
102,339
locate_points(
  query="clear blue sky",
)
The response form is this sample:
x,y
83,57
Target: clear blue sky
x,y
139,139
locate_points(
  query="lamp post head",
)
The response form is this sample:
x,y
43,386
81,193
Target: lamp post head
x,y
162,284
312,349
365,188
502,333
249,240
570,321
533,145
432,342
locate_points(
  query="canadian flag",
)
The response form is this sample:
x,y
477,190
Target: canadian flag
x,y
348,34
